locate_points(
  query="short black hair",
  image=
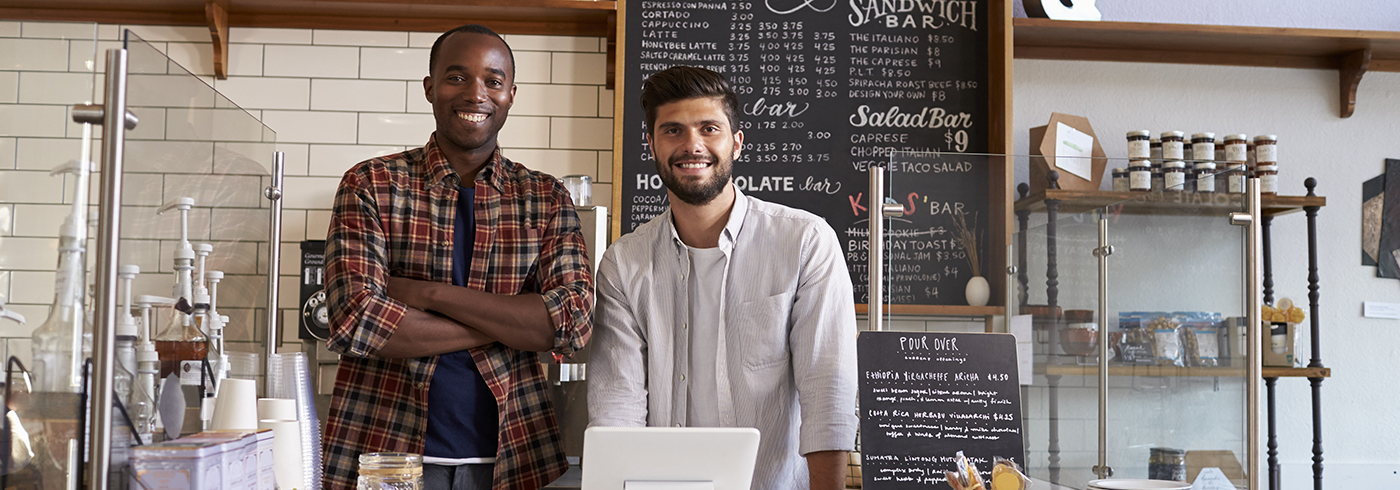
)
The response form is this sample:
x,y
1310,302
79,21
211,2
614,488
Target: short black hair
x,y
469,28
687,82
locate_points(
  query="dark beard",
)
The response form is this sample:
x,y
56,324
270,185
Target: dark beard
x,y
701,193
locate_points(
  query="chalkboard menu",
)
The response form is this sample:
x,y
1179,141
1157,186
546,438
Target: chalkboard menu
x,y
926,396
826,90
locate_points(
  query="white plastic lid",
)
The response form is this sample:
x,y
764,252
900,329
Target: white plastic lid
x,y
1175,164
1154,140
1266,137
1206,165
1267,168
1140,163
1119,170
1237,137
148,299
1205,135
204,248
126,327
144,355
1178,134
214,275
1140,132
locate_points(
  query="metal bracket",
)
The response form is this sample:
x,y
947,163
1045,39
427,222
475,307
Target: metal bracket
x,y
1012,270
1241,219
891,210
95,114
1103,251
1103,471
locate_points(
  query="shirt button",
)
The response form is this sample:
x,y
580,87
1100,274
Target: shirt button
x,y
678,425
684,326
682,377
419,385
445,243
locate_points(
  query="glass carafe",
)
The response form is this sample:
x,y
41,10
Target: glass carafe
x,y
390,471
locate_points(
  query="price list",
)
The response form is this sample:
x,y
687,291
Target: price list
x,y
924,397
826,90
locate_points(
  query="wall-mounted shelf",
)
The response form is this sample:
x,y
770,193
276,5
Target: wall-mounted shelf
x,y
1176,371
1163,203
547,17
1350,52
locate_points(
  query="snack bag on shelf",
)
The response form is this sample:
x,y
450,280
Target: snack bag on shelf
x,y
966,477
1007,475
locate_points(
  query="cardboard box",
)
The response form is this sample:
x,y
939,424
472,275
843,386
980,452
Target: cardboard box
x,y
1043,144
1282,345
1225,460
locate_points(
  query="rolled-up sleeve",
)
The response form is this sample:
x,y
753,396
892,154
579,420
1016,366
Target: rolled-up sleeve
x,y
617,392
566,278
362,316
823,342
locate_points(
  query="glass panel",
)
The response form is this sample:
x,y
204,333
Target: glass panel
x,y
1175,296
44,264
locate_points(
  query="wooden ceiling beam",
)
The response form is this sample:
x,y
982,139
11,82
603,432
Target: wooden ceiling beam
x,y
216,14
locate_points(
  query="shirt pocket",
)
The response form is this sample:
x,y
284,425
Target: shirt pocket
x,y
763,327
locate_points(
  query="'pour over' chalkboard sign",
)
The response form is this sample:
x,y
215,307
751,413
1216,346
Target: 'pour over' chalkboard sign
x,y
924,396
826,90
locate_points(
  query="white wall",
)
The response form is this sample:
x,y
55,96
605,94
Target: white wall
x,y
333,97
1371,15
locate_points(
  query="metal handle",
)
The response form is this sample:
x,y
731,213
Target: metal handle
x,y
274,251
875,262
108,241
1255,371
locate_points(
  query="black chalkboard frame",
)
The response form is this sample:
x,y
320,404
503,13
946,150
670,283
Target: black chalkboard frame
x,y
1000,140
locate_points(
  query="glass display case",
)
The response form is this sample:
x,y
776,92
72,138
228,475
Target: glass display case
x,y
1158,283
187,141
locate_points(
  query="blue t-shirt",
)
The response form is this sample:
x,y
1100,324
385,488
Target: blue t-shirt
x,y
462,416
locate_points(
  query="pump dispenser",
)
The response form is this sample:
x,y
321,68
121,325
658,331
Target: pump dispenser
x,y
182,341
9,315
216,324
184,254
125,366
143,394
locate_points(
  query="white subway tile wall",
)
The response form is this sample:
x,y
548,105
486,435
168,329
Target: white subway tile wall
x,y
334,98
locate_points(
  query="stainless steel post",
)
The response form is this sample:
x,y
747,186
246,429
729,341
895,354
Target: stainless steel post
x,y
876,247
108,242
1255,254
274,251
1254,266
1103,470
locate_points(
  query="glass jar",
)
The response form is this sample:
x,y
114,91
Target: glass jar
x,y
1140,175
1203,146
1139,146
1159,177
1205,177
1268,179
1174,176
390,471
1120,180
1154,149
1235,178
1236,148
1266,149
1165,463
1173,145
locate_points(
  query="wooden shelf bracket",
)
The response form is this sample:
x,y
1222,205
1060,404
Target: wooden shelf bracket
x,y
1353,67
216,14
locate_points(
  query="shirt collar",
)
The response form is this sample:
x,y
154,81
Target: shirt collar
x,y
730,235
439,170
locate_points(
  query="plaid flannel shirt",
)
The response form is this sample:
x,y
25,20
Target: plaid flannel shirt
x,y
393,216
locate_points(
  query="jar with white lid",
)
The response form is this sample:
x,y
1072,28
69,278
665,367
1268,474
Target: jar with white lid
x,y
1139,145
1140,175
1205,177
1120,180
1174,145
1266,149
1235,178
1155,149
1173,176
1203,146
1268,179
1236,148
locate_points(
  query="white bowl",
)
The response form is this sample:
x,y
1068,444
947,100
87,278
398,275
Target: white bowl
x,y
1124,484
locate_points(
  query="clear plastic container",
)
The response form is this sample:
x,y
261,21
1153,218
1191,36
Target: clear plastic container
x,y
390,471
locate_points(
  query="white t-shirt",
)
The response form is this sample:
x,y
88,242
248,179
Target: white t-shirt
x,y
706,286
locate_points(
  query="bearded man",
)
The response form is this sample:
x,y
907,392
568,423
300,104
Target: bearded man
x,y
726,310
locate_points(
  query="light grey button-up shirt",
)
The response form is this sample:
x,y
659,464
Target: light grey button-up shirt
x,y
786,355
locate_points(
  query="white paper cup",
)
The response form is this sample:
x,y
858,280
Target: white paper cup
x,y
236,405
277,409
286,452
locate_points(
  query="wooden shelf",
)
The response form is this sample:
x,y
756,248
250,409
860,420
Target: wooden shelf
x,y
938,310
1350,52
1163,203
1174,371
552,17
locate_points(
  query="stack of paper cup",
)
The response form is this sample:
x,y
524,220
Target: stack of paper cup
x,y
277,409
286,453
236,405
289,376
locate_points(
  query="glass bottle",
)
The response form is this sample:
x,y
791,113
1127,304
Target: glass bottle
x,y
57,343
180,342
